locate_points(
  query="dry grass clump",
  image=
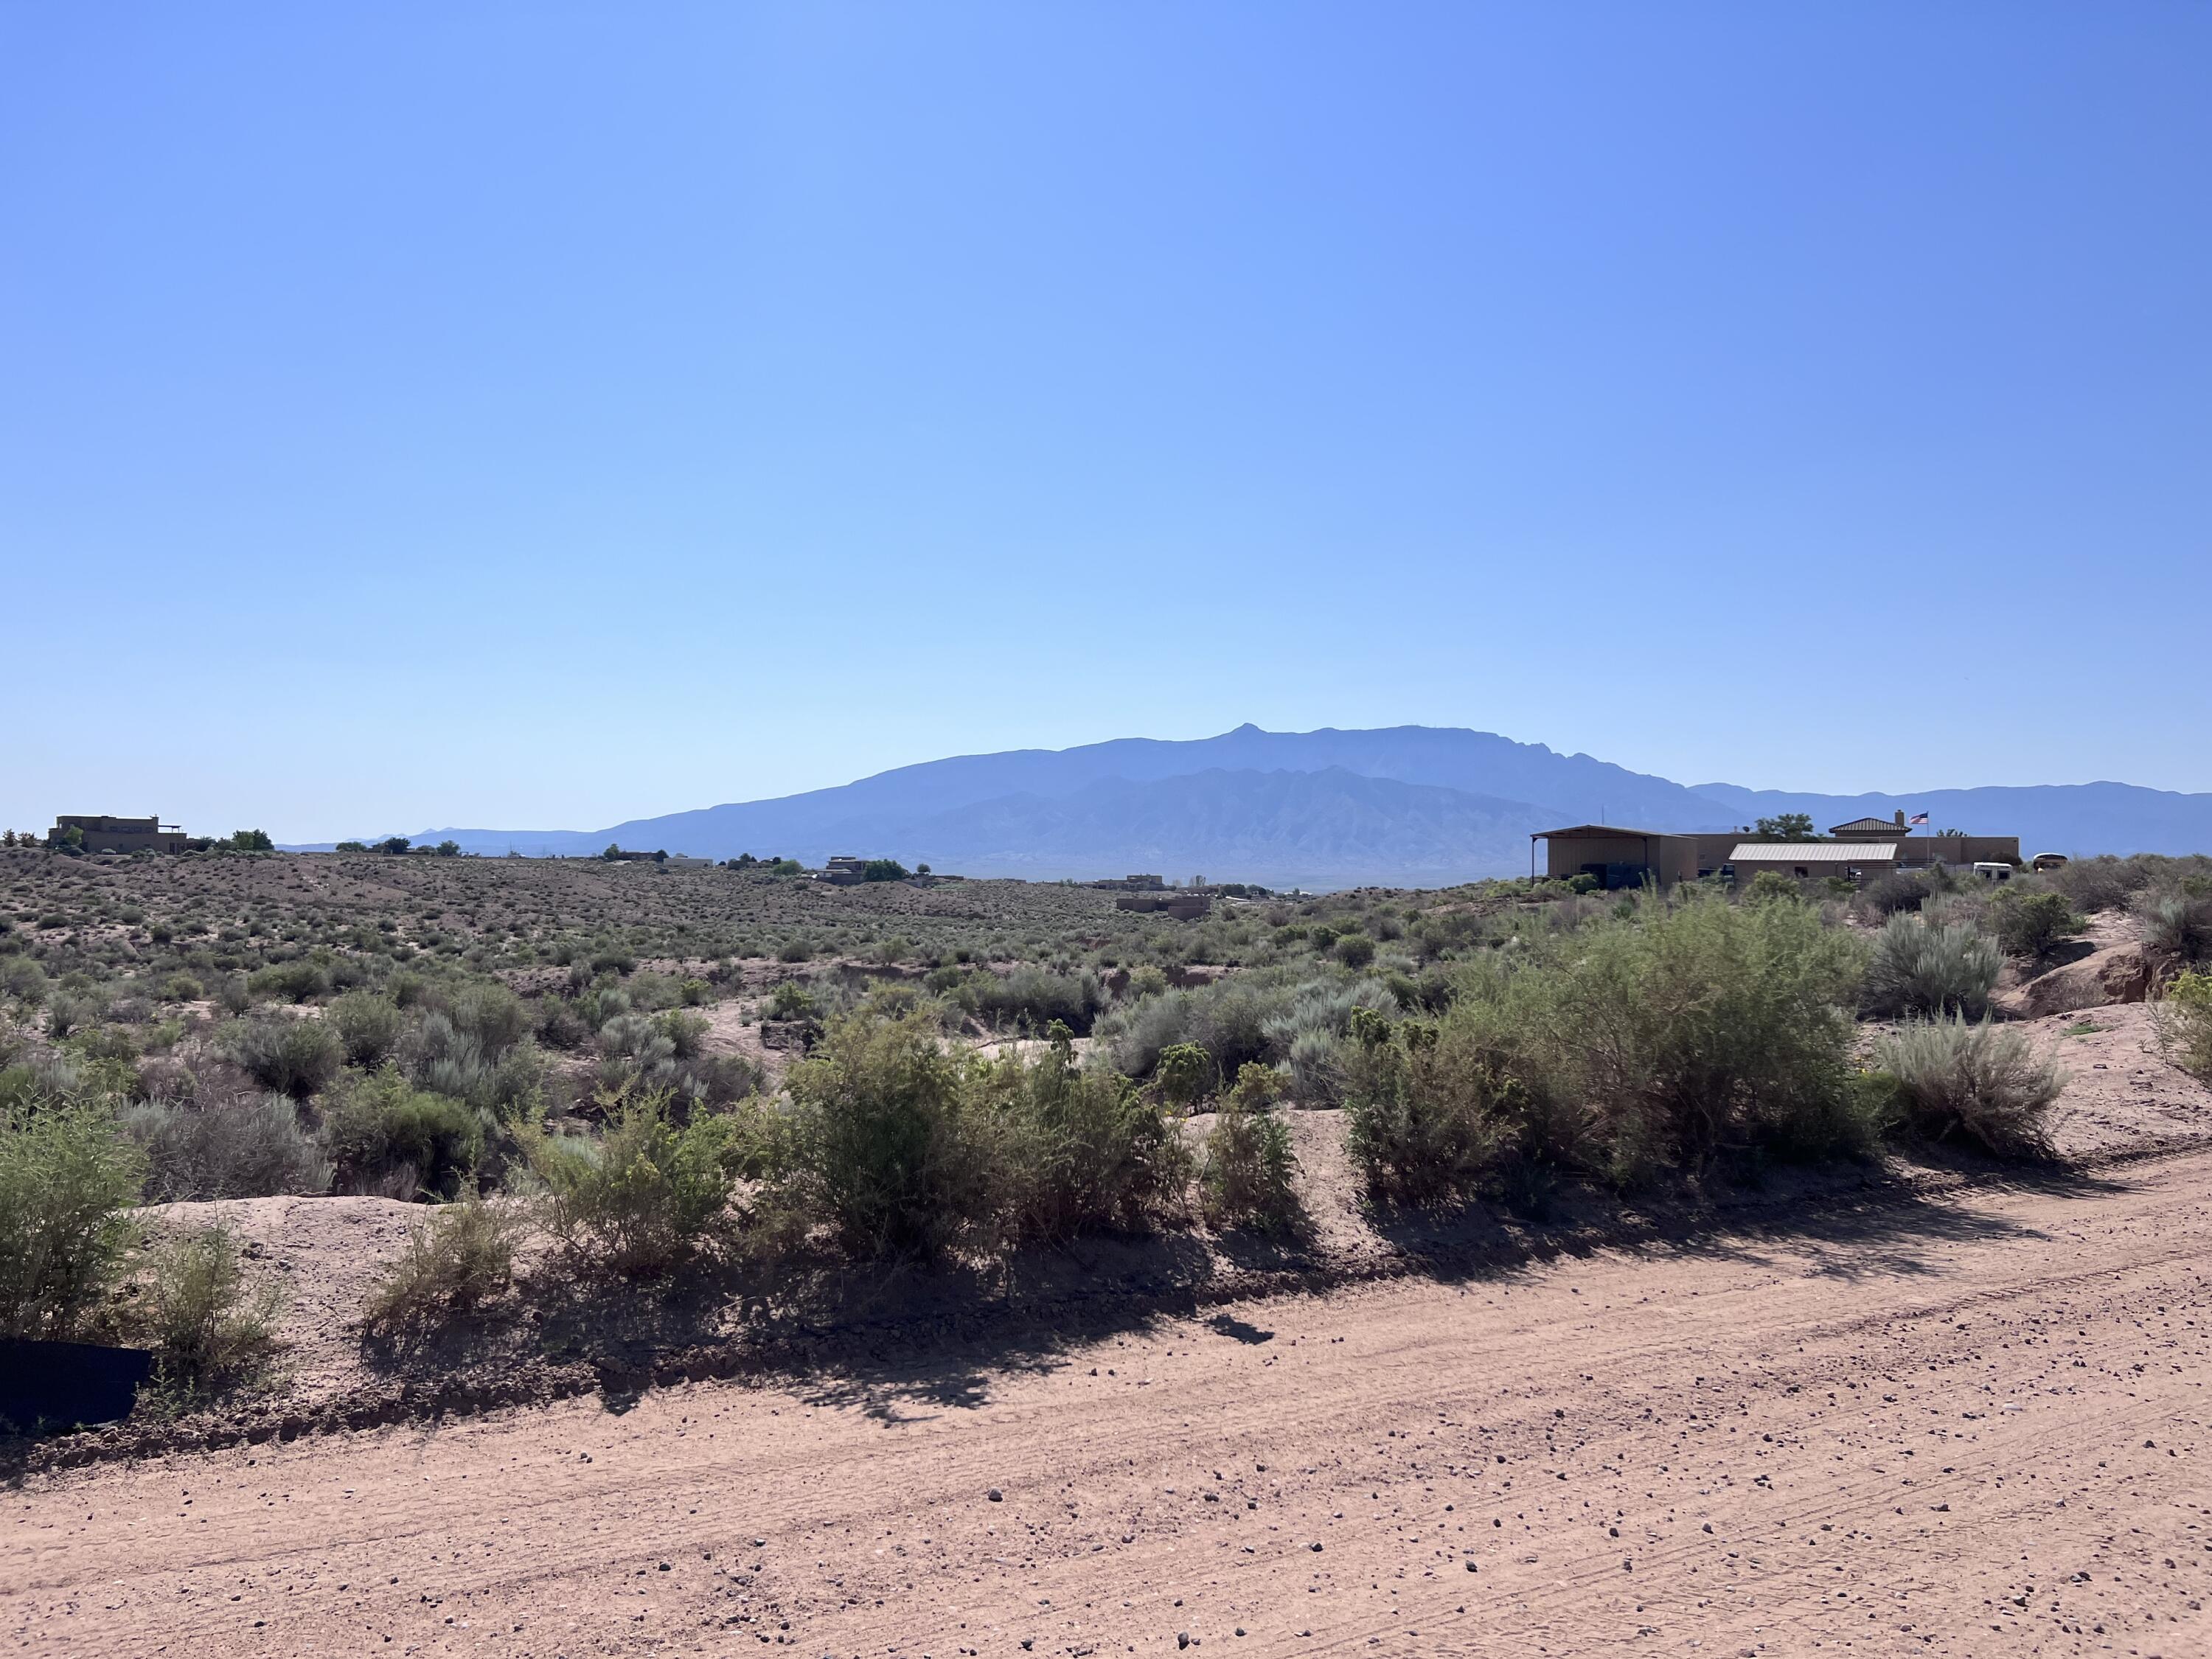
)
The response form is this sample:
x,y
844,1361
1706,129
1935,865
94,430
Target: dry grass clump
x,y
207,1324
457,1258
1957,1077
243,1149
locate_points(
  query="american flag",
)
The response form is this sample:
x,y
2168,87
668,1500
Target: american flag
x,y
1918,819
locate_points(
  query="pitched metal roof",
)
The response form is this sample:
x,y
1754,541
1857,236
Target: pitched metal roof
x,y
1811,852
1859,826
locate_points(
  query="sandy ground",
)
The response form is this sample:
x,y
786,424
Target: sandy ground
x,y
1972,1423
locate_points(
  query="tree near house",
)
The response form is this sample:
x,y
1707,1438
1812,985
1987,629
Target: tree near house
x,y
1788,826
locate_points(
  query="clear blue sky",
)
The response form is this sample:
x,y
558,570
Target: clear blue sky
x,y
537,416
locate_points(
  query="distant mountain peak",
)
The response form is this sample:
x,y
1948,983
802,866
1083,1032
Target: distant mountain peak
x,y
1400,806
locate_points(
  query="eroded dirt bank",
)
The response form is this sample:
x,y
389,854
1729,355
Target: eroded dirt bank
x,y
1968,1425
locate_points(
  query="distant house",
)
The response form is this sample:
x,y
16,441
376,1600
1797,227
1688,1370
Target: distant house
x,y
101,833
1183,907
1617,857
843,871
1132,885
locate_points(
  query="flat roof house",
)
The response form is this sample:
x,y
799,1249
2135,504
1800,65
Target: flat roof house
x,y
103,833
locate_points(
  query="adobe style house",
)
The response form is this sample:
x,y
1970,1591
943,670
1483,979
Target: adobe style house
x,y
1617,857
103,834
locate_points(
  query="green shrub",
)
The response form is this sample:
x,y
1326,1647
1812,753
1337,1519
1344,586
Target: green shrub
x,y
206,1324
1247,1168
2103,882
1065,1150
368,1025
1185,1073
2176,925
64,1180
74,1011
491,1014
296,1057
250,1149
23,979
1920,966
686,1033
791,1001
1354,951
1960,1076
449,1061
457,1258
645,1198
1896,890
1691,1028
2031,924
1030,998
883,1143
1425,1122
2184,1023
298,981
1229,1019
385,1137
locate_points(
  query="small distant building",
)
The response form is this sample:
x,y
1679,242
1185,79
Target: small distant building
x,y
1183,907
1132,885
843,871
101,833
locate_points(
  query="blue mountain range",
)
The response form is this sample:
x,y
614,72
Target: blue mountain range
x,y
1409,806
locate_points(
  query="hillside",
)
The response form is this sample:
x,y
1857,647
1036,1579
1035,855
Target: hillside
x,y
1403,806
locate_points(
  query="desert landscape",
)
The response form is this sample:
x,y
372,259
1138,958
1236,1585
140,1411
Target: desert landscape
x,y
1933,1384
971,831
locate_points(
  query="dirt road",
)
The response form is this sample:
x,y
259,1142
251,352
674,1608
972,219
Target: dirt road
x,y
1974,1425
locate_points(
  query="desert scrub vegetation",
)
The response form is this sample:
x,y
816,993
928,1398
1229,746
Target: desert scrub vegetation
x,y
1681,1031
65,1179
1919,966
644,1197
385,1137
1246,1170
1960,1077
250,1148
2176,924
2184,1023
294,1056
2033,923
208,1325
457,1259
1068,1150
883,1149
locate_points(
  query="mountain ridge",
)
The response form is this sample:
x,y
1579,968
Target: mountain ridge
x,y
1398,806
